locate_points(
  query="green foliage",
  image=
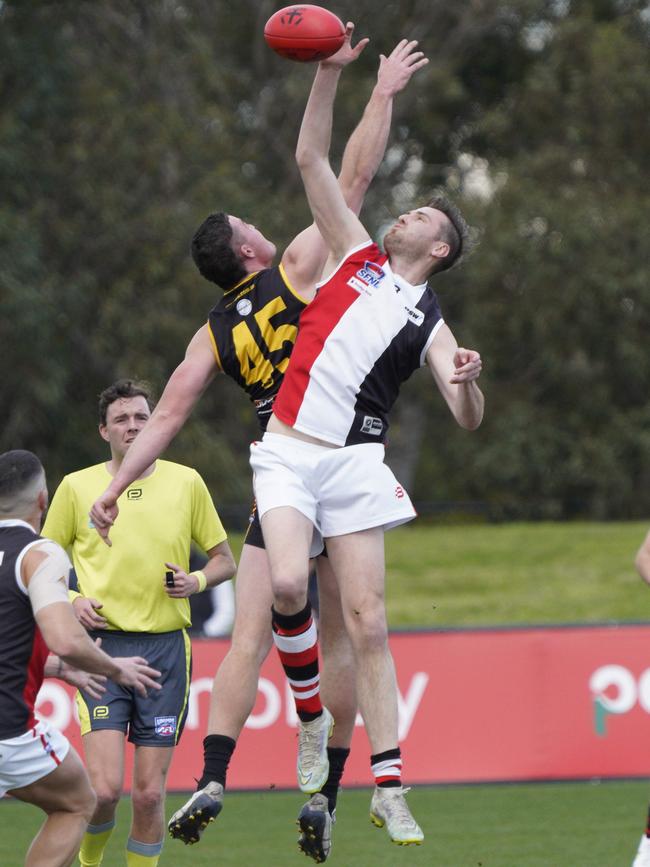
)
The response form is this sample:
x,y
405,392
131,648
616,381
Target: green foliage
x,y
125,123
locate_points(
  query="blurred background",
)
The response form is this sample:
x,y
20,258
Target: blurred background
x,y
125,122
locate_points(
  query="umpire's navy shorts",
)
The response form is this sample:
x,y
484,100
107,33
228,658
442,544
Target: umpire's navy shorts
x,y
158,719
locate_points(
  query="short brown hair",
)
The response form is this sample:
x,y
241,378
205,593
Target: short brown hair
x,y
456,232
123,388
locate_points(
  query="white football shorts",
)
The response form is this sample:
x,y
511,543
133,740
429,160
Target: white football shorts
x,y
340,490
30,756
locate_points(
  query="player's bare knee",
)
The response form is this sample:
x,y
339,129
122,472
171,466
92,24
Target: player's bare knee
x,y
290,595
107,798
367,629
147,801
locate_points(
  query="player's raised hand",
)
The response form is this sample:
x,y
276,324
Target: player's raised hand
x,y
136,672
347,53
103,513
395,71
467,364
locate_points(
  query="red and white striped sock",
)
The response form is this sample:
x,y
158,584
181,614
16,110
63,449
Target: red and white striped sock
x,y
387,768
296,640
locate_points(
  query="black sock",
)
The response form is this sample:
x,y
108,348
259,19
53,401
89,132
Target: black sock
x,y
338,757
217,750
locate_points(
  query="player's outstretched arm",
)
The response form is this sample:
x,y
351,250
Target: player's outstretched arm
x,y
304,258
455,371
338,225
366,146
182,392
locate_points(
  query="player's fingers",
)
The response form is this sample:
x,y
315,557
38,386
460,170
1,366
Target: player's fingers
x,y
407,46
420,63
361,44
398,48
413,58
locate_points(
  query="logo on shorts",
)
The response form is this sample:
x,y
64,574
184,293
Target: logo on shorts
x,y
367,278
165,726
100,712
244,306
400,493
372,426
134,493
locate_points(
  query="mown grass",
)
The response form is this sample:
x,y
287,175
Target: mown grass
x,y
482,575
548,825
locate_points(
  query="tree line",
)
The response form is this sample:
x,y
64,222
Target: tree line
x,y
125,123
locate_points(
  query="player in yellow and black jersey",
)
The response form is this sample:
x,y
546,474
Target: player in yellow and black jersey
x,y
253,328
249,337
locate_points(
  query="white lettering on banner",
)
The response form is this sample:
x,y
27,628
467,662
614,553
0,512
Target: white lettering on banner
x,y
197,688
615,690
60,715
407,705
271,711
58,708
618,678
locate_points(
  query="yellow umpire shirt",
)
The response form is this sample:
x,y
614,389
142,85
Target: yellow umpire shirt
x,y
159,518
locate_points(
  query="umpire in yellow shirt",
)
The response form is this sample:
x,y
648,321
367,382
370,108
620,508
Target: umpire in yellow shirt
x,y
134,596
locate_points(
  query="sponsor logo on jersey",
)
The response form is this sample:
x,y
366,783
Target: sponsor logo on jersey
x,y
416,316
372,426
165,726
244,306
134,493
100,712
367,278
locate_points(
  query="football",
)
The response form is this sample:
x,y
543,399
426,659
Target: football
x,y
304,33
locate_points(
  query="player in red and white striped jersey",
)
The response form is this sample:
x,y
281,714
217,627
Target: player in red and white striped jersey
x,y
319,470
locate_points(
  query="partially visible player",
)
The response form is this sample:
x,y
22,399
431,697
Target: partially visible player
x,y
135,595
249,337
37,763
642,563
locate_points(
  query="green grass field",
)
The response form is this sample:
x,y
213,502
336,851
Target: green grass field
x,y
550,825
442,576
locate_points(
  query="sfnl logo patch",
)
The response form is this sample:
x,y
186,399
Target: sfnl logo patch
x,y
367,278
165,726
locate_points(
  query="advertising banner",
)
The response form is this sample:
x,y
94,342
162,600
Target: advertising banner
x,y
474,705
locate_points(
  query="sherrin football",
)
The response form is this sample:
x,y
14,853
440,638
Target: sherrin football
x,y
304,33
